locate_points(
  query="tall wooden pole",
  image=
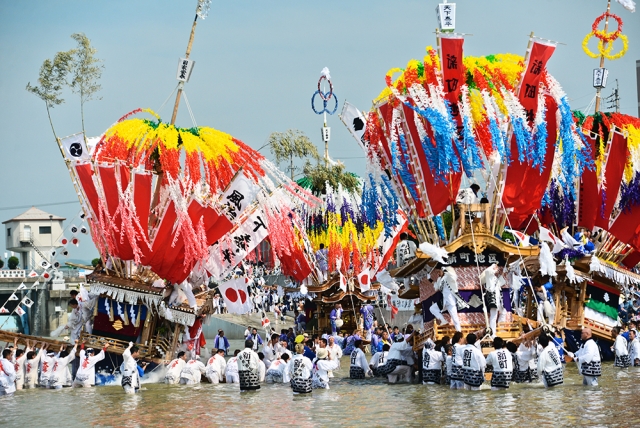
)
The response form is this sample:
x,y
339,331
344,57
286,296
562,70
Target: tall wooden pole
x,y
181,85
604,48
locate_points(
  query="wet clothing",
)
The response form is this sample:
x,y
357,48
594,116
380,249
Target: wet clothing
x,y
550,367
502,363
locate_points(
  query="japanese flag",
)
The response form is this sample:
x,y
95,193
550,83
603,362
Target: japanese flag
x,y
46,275
4,310
343,282
236,296
20,311
13,297
64,241
547,236
523,238
75,241
27,302
22,286
75,147
265,321
32,274
364,280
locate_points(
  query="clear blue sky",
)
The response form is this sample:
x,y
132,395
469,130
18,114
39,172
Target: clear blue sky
x,y
257,64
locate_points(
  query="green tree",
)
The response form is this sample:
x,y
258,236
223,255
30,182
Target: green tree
x,y
13,262
86,71
285,146
320,175
1,263
52,79
95,261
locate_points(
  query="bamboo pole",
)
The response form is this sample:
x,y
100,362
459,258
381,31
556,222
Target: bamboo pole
x,y
181,84
604,48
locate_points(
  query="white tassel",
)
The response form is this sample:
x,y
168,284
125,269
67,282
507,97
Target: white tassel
x,y
547,264
437,253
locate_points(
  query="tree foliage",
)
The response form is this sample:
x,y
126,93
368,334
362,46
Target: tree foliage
x,y
95,261
13,262
335,175
86,71
51,81
285,146
78,68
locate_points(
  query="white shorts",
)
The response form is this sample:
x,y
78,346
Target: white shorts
x,y
233,378
214,377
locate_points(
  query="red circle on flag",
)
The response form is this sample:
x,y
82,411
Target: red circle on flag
x,y
364,279
231,294
243,296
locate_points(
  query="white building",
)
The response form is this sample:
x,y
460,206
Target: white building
x,y
33,228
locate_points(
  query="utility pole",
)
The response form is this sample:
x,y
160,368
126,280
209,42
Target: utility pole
x,y
606,28
613,100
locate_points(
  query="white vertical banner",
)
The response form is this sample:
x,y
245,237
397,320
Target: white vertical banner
x,y
224,255
241,193
447,16
355,121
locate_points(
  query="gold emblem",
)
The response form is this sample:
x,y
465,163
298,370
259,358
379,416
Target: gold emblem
x,y
117,325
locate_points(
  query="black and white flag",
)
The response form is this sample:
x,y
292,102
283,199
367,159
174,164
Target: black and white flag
x,y
355,121
75,147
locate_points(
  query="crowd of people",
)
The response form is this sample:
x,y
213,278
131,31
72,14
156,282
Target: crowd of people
x,y
309,362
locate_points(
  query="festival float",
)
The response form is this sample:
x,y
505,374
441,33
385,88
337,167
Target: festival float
x,y
503,123
168,209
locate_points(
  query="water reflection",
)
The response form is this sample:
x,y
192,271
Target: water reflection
x,y
347,403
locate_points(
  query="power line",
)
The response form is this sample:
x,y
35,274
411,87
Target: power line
x,y
39,205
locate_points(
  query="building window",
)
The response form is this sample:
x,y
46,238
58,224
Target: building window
x,y
45,230
9,232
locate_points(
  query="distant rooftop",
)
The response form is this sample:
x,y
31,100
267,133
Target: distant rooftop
x,y
34,213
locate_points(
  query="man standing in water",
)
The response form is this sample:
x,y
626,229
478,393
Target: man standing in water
x,y
588,359
502,362
249,368
473,364
549,364
131,372
620,349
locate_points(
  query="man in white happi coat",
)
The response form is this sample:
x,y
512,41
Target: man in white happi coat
x,y
549,363
493,295
272,350
620,349
399,360
322,365
501,362
279,370
86,374
130,371
7,373
300,372
174,368
31,366
473,363
216,366
249,367
74,321
588,359
59,375
335,351
231,371
192,372
379,359
447,284
431,364
634,348
47,368
20,358
359,366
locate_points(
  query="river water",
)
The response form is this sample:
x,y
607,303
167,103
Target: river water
x,y
370,402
